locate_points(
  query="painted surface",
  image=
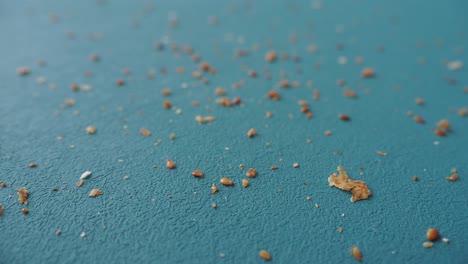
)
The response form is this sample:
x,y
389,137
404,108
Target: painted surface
x,y
165,216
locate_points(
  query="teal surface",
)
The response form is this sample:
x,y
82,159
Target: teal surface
x,y
165,216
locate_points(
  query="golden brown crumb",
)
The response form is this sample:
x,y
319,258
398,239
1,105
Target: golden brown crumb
x,y
252,132
344,117
213,205
203,120
454,175
432,234
296,165
197,173
74,87
270,56
245,183
25,211
226,181
274,95
220,91
251,173
80,183
145,132
463,111
268,114
381,153
358,189
170,164
23,195
32,165
214,188
166,92
356,253
328,133
95,193
274,167
224,101
1,209
3,184
350,93
427,244
418,119
264,255
167,104
368,73
415,178
91,130
439,132
172,136
120,82
443,125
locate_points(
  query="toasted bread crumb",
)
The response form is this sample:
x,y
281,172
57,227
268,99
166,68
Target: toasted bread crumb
x,y
245,183
358,189
214,188
356,253
23,195
251,173
95,193
145,132
226,181
454,175
264,255
170,164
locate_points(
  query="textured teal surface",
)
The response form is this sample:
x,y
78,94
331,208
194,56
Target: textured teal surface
x,y
136,221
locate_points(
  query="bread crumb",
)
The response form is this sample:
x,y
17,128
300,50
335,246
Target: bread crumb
x,y
356,253
214,188
427,244
1,209
79,183
264,255
226,181
23,195
95,193
245,183
251,173
381,153
25,211
85,175
145,132
358,189
454,175
58,232
91,130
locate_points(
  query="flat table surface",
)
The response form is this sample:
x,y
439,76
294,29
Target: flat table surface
x,y
157,215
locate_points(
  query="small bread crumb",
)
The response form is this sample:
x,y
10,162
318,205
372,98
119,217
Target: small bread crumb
x,y
245,183
214,188
85,175
145,132
197,173
170,164
95,193
251,173
454,175
1,209
91,130
427,244
252,132
23,195
356,253
79,183
358,189
264,255
226,181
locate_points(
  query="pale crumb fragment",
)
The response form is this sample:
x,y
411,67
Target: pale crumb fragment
x,y
95,193
241,167
214,188
204,119
85,175
445,240
213,205
427,244
264,255
83,235
358,189
340,229
91,130
58,232
308,198
23,195
356,253
79,183
245,183
381,153
296,165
